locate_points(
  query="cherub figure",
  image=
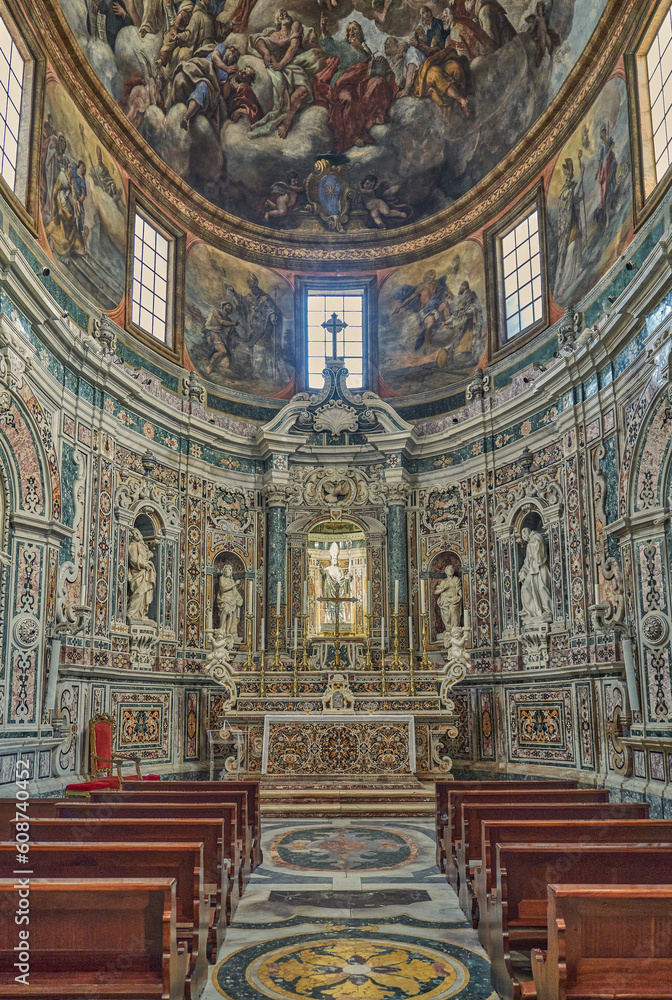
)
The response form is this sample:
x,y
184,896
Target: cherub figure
x,y
284,198
547,39
379,199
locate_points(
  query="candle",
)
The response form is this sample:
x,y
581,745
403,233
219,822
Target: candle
x,y
263,633
597,593
467,618
422,596
365,596
249,596
277,600
410,632
396,597
305,597
382,634
208,619
368,598
296,633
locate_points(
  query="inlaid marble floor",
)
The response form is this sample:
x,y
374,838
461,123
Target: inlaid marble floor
x,y
349,909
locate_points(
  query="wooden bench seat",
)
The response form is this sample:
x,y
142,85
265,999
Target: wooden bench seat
x,y
250,787
589,955
183,862
209,832
94,938
159,811
156,796
464,835
605,830
518,910
442,806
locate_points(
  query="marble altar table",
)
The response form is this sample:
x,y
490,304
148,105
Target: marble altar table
x,y
352,743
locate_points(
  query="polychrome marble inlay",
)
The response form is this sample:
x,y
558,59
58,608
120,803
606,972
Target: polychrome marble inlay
x,y
356,849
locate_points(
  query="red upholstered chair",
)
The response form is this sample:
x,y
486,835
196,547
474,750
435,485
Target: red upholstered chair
x,y
104,759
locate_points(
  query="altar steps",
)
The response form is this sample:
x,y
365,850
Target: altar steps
x,y
383,797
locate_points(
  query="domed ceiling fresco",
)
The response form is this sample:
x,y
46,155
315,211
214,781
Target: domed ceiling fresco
x,y
343,116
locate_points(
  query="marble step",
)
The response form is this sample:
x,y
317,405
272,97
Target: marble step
x,y
363,808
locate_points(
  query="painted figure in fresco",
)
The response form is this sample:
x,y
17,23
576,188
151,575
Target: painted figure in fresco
x,y
171,53
141,576
469,322
229,602
425,298
79,192
404,61
54,161
292,59
103,178
63,232
570,228
446,78
449,598
535,576
356,88
335,583
199,31
106,18
242,102
606,176
547,40
493,18
218,330
380,201
432,28
284,199
202,82
467,37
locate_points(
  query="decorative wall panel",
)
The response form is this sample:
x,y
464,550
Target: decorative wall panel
x,y
541,726
143,723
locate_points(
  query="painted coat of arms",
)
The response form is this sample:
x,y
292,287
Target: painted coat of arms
x,y
329,194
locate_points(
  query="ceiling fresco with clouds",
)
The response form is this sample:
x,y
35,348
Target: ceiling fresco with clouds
x,y
345,117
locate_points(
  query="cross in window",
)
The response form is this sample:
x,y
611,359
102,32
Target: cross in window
x,y
334,327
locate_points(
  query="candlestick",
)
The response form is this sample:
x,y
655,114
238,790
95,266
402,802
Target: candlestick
x,y
383,677
262,642
410,632
249,661
262,676
424,662
368,663
382,635
396,662
296,633
277,600
305,642
295,678
411,672
276,659
396,597
422,596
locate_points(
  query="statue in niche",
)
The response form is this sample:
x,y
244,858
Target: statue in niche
x,y
229,602
141,576
449,599
335,583
535,576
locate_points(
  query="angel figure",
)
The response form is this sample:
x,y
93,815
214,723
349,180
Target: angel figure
x,y
380,201
547,40
284,198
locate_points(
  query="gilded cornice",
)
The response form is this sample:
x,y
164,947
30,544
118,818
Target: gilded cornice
x,y
337,251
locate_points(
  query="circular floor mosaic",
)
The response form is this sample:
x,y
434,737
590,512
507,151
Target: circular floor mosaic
x,y
353,966
345,850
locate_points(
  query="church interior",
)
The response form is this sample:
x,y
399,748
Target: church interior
x,y
335,504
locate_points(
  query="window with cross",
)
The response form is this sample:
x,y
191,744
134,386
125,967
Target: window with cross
x,y
335,328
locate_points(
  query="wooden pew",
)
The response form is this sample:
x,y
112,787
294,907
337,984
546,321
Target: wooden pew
x,y
183,862
469,854
518,911
588,953
95,938
209,832
607,830
225,811
253,808
456,800
36,808
442,813
152,796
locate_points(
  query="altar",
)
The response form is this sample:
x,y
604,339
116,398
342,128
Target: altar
x,y
339,744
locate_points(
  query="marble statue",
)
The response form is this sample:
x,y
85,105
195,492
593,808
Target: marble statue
x,y
229,602
141,576
335,583
535,576
449,598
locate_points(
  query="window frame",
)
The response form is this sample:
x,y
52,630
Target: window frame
x,y
498,344
139,205
32,106
366,285
648,192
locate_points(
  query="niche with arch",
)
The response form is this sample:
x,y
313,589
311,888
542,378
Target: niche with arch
x,y
437,571
234,582
533,521
151,537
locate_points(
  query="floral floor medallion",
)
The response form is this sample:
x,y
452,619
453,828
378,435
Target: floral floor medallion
x,y
350,850
353,966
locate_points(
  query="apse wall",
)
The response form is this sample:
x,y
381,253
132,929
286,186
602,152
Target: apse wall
x,y
567,428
